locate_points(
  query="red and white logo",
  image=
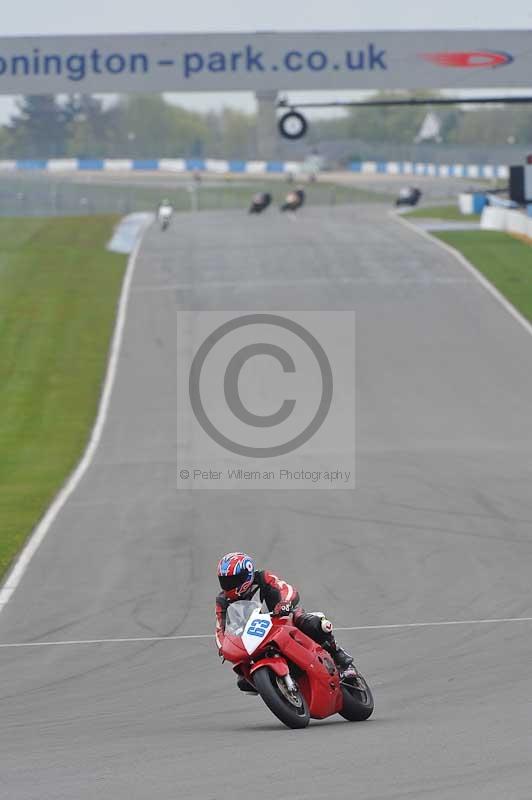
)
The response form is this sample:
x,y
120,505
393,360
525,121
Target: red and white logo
x,y
470,59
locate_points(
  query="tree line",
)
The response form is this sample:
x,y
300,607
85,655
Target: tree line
x,y
473,125
139,126
147,126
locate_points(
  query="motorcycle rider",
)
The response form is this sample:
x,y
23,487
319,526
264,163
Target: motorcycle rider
x,y
164,211
239,580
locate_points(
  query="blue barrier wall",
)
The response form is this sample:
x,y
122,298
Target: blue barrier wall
x,y
405,168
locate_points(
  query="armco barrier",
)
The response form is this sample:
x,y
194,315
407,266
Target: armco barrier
x,y
213,165
471,202
223,166
497,218
487,171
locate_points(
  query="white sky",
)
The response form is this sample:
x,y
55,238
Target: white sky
x,y
157,16
39,17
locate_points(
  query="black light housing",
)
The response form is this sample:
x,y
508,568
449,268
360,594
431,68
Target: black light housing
x,y
293,125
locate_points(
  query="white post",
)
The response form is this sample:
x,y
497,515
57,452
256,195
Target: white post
x,y
268,138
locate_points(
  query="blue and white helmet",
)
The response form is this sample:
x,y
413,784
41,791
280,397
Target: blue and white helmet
x,y
236,572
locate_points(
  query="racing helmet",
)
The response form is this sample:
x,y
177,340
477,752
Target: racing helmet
x,y
236,572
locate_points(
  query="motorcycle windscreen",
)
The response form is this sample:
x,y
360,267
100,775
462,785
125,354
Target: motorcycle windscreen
x,y
238,614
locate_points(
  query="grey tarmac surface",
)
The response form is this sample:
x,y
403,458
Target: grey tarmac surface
x,y
439,528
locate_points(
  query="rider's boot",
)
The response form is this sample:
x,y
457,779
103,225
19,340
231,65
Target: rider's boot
x,y
342,659
245,686
316,625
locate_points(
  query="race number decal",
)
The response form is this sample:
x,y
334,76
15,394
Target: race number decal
x,y
258,627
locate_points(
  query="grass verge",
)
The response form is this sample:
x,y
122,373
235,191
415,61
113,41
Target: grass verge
x,y
59,289
505,261
442,212
24,195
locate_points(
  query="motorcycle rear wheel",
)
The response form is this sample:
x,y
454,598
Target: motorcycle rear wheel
x,y
294,714
358,702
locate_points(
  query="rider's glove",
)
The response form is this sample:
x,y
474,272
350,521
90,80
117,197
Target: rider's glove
x,y
282,609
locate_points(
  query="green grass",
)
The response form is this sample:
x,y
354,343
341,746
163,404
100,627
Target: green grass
x,y
442,212
505,261
58,295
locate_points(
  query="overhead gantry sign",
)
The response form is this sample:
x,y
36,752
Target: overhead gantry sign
x,y
266,61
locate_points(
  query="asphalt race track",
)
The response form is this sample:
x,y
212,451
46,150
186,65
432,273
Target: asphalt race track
x,y
439,529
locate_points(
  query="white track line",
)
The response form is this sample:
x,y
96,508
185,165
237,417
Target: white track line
x,y
111,641
21,565
469,267
393,626
406,625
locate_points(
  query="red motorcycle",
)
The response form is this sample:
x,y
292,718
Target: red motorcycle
x,y
295,676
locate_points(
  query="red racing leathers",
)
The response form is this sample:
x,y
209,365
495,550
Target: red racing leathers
x,y
272,591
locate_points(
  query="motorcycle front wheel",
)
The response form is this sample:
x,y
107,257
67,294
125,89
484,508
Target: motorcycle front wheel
x,y
289,707
358,700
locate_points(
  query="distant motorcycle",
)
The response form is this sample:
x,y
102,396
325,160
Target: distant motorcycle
x,y
293,200
295,676
260,202
408,196
164,215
